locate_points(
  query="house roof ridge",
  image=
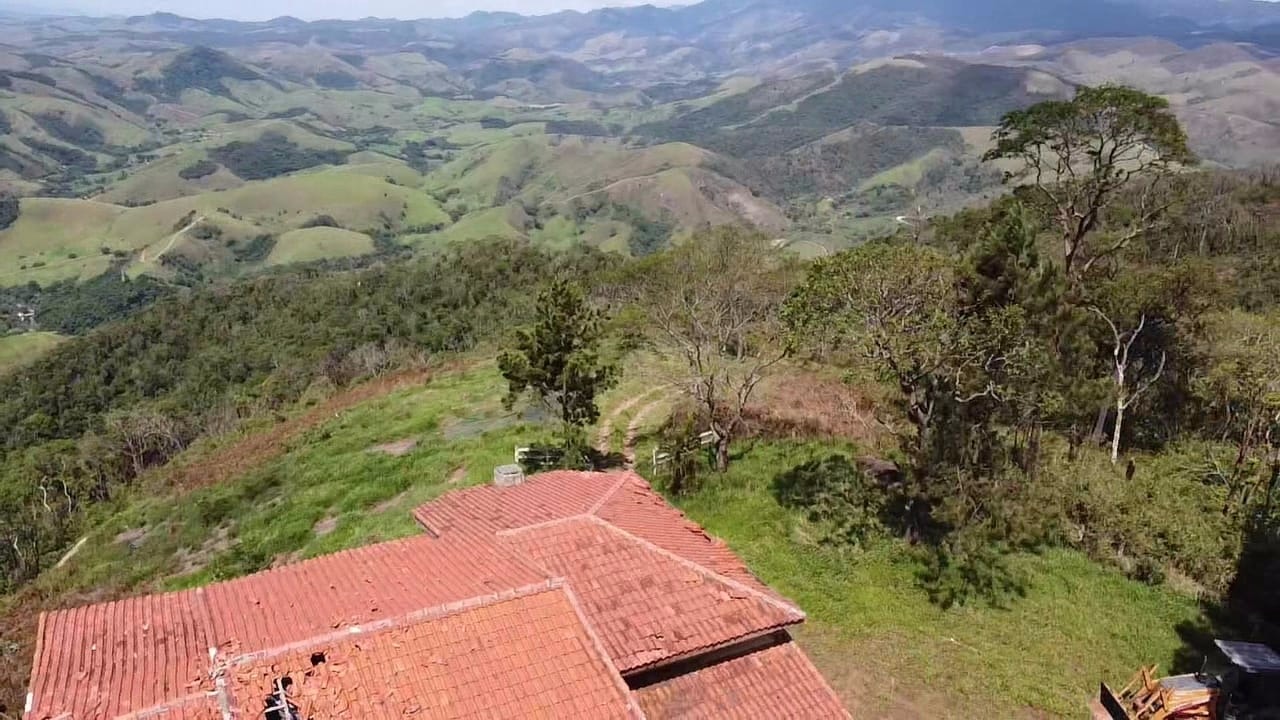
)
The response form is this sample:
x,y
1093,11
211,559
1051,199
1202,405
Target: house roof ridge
x,y
736,584
633,707
625,476
554,522
403,620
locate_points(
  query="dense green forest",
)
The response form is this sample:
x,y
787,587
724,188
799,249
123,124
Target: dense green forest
x,y
270,156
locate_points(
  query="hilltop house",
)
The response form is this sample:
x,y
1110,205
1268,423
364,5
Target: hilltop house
x,y
568,595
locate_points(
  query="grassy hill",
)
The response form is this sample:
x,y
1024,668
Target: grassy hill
x,y
19,349
317,483
319,243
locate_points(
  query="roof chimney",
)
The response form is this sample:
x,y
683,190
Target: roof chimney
x,y
508,475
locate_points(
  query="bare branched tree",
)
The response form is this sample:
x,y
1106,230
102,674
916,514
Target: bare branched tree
x,y
713,302
1129,387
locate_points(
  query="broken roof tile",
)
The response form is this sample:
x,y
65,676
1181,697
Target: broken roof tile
x,y
475,663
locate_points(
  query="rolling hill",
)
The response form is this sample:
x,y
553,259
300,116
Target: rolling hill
x,y
618,128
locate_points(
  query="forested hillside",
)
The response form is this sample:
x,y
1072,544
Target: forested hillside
x,y
948,334
1108,387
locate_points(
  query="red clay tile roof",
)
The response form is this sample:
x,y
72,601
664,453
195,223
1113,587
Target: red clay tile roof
x,y
297,602
623,499
488,509
647,604
110,659
634,507
778,683
525,601
477,663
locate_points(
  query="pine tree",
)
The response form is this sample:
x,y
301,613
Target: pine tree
x,y
557,358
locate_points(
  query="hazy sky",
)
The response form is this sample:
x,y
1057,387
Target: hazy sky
x,y
318,9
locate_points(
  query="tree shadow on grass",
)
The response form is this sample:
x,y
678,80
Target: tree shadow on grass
x,y
854,501
1250,611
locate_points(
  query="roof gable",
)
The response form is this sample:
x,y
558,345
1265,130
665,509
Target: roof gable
x,y
647,604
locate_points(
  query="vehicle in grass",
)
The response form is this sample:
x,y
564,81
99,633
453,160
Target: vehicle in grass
x,y
1241,681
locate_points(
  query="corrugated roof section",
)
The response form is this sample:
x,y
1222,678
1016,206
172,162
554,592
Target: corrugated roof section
x,y
110,659
526,657
778,683
646,604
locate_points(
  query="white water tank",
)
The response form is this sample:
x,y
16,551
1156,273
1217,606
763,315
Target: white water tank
x,y
508,475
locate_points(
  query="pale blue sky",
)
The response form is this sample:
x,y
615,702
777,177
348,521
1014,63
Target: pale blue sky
x,y
320,9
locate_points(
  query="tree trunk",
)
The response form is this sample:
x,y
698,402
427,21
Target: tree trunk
x,y
1115,435
722,452
1100,426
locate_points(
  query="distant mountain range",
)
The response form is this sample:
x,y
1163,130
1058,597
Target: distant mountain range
x,y
192,149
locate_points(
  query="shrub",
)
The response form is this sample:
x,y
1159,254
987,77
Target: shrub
x,y
835,493
10,208
197,170
321,221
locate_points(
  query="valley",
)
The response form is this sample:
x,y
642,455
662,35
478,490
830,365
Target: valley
x,y
605,132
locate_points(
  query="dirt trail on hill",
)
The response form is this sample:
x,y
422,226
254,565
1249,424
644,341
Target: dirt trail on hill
x,y
249,452
604,436
174,238
633,430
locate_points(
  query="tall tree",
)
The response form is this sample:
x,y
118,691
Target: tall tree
x,y
557,358
1081,155
899,307
713,302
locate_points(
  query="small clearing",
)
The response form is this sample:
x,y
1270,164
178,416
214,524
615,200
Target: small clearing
x,y
325,526
399,448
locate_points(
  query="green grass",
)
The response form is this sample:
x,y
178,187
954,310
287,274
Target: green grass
x,y
318,243
907,174
494,222
329,473
49,232
54,239
18,350
872,628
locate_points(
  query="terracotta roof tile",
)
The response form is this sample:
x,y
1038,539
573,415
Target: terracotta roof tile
x,y
648,605
201,706
488,509
778,683
637,509
471,623
296,602
472,664
109,659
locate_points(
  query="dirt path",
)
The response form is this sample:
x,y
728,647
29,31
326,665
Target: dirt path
x,y
604,436
634,427
174,238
